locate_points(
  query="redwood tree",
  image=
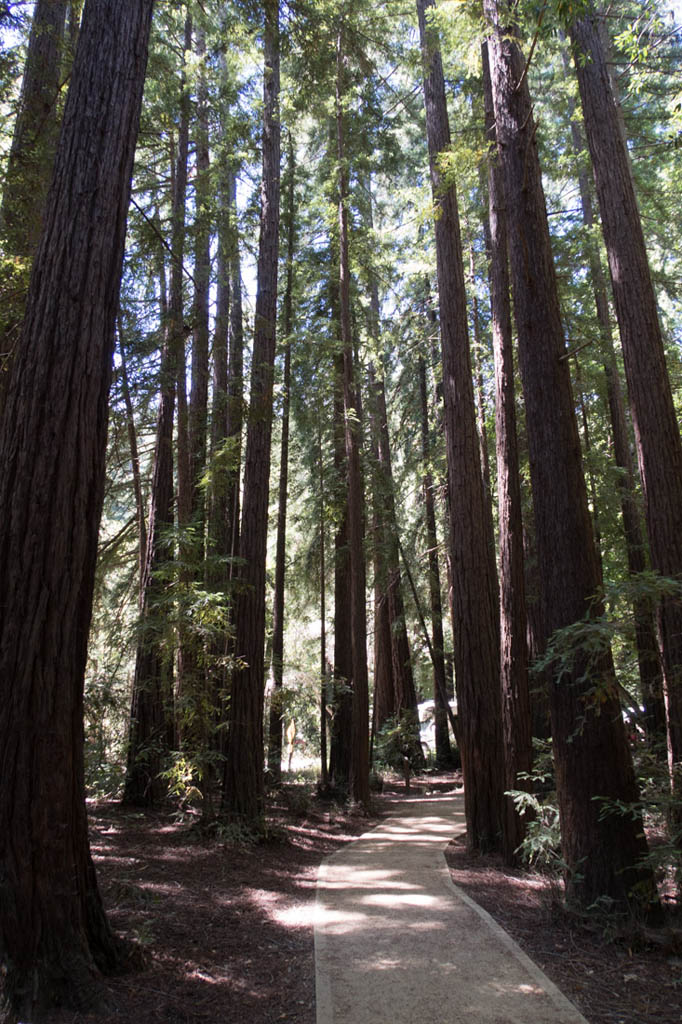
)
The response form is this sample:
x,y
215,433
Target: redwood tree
x,y
477,664
592,759
657,434
53,930
243,789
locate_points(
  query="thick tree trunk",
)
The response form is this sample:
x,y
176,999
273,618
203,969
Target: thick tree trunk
x,y
53,930
516,718
359,766
657,436
275,722
592,758
477,665
243,791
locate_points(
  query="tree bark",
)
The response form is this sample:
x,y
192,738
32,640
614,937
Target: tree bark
x,y
54,934
36,129
592,759
657,436
29,170
516,717
342,725
443,748
243,785
477,666
359,765
275,722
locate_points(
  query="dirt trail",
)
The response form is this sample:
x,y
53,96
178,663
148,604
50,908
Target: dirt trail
x,y
396,941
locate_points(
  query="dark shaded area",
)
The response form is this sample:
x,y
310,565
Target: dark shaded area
x,y
612,977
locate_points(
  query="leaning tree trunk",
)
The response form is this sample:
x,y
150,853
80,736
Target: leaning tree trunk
x,y
477,666
53,930
657,435
516,717
243,786
592,758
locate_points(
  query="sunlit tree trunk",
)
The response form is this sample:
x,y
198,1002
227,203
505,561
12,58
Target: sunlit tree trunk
x,y
243,784
592,759
477,664
657,435
359,765
516,717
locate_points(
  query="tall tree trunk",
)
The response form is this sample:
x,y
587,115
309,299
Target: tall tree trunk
x,y
477,664
54,934
243,779
198,411
185,660
359,766
516,717
235,413
404,693
29,169
342,724
657,436
152,726
440,699
31,156
592,758
134,453
275,730
324,672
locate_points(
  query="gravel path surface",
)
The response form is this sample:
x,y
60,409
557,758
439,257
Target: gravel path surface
x,y
396,942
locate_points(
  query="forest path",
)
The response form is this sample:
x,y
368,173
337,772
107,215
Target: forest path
x,y
396,942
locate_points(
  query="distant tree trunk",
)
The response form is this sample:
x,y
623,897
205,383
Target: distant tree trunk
x,y
29,169
235,415
54,934
31,156
198,411
151,726
516,717
359,766
134,453
178,335
443,749
657,435
324,673
243,791
342,727
404,693
477,664
275,730
591,754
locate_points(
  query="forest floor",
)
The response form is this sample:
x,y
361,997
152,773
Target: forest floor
x,y
228,926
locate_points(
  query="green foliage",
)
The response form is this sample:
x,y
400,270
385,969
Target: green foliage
x,y
541,846
397,740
